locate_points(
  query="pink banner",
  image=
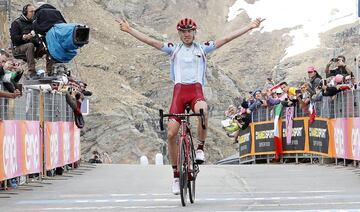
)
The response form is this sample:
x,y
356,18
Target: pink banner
x,y
11,149
32,147
341,138
355,138
53,145
62,140
68,140
77,149
289,113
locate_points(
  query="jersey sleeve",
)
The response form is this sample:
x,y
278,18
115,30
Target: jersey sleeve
x,y
208,47
168,48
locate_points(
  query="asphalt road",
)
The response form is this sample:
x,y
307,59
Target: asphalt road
x,y
301,187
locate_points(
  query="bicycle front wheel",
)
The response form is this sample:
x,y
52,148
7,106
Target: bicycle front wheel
x,y
183,173
193,170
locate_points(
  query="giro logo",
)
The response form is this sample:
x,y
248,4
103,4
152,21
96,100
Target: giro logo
x,y
339,142
32,153
66,141
10,155
54,149
355,138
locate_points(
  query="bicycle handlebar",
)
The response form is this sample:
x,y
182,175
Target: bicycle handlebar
x,y
182,116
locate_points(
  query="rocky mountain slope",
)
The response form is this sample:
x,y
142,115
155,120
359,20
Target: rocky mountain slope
x,y
131,81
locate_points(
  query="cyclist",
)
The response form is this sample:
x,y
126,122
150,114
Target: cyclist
x,y
188,66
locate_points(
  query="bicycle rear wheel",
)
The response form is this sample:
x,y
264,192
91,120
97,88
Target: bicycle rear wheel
x,y
193,171
183,173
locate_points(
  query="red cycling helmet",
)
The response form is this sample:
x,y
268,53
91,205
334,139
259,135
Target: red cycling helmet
x,y
186,24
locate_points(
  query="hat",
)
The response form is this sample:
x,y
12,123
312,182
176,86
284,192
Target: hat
x,y
311,69
339,78
255,92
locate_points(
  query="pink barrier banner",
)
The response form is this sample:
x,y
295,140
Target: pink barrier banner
x,y
53,145
77,148
355,138
62,144
341,138
11,149
68,140
32,147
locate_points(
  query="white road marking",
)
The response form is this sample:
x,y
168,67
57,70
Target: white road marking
x,y
172,206
176,198
224,193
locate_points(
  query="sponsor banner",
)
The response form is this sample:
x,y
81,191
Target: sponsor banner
x,y
77,147
319,136
341,138
32,147
297,138
11,150
68,139
355,138
244,140
53,145
264,137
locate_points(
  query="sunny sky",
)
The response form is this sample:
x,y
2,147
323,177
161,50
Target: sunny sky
x,y
311,16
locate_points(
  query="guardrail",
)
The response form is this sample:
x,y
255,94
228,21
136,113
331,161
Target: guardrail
x,y
334,134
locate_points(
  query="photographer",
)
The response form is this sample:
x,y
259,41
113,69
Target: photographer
x,y
339,67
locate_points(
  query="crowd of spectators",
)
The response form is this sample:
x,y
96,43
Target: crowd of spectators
x,y
338,78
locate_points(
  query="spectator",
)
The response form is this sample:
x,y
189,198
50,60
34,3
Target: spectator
x,y
314,77
231,111
291,91
335,86
339,67
95,158
257,103
273,97
349,81
4,57
291,94
10,74
304,97
24,41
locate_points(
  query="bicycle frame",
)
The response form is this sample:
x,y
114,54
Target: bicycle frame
x,y
186,165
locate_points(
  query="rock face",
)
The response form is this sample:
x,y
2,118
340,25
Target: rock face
x,y
131,81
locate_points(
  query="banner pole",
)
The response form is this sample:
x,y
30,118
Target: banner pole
x,y
42,131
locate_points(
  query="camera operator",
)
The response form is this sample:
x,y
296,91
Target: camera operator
x,y
24,40
340,67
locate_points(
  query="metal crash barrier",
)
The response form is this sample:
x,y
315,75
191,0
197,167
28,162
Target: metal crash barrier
x,y
37,134
334,134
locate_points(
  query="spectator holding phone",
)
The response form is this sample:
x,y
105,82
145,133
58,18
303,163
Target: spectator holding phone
x,y
339,67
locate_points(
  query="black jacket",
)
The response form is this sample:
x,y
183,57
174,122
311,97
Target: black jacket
x,y
18,28
46,16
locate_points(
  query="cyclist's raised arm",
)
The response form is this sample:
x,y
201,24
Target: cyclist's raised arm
x,y
237,33
124,26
